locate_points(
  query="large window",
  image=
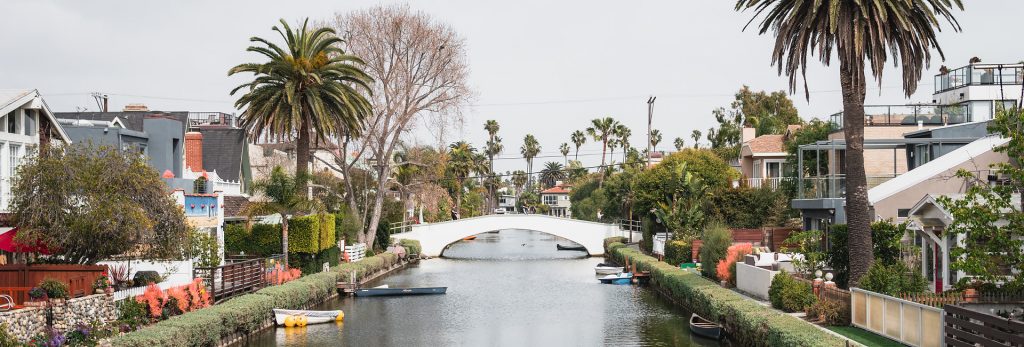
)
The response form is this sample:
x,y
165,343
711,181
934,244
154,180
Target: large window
x,y
14,156
773,169
12,123
30,122
551,199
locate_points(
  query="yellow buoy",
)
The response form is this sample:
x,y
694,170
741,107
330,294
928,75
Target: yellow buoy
x,y
303,321
340,317
289,321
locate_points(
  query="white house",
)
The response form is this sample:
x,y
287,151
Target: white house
x,y
25,123
557,199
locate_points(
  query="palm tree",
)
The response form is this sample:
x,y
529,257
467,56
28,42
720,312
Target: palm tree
x,y
679,143
623,133
600,130
494,147
529,150
462,160
519,180
283,195
551,174
565,152
612,145
308,87
655,139
578,139
860,32
695,135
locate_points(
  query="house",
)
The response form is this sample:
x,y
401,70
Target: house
x,y
507,202
929,221
557,200
26,123
909,150
263,157
763,158
157,135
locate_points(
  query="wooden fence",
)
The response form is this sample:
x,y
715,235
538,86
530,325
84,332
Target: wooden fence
x,y
966,327
908,322
237,277
79,278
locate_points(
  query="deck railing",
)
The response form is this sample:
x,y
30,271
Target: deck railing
x,y
239,277
967,327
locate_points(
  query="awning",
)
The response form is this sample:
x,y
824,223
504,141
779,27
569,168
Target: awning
x,y
7,243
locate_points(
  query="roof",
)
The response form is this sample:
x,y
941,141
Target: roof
x,y
935,167
555,190
765,144
222,151
9,96
234,205
133,120
932,199
14,98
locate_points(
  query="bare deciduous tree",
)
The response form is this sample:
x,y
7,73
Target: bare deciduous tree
x,y
419,65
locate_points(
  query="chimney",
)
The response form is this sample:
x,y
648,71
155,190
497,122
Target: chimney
x,y
194,151
131,107
748,134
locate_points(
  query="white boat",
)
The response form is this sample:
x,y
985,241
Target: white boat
x,y
607,269
312,317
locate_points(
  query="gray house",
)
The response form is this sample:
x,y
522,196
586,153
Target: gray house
x,y
158,135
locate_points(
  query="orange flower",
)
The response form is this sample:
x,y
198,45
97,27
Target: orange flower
x,y
733,254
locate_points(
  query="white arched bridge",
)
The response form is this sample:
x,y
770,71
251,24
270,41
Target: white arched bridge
x,y
434,237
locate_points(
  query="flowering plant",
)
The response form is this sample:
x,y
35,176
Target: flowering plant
x,y
102,282
37,293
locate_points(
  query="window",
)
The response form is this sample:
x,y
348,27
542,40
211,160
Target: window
x,y
3,120
30,122
773,169
12,123
13,158
903,212
550,199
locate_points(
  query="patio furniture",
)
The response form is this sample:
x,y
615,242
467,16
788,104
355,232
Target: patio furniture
x,y
6,303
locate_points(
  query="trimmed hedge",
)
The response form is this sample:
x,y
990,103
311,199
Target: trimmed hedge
x,y
247,313
328,237
411,246
749,322
260,240
304,234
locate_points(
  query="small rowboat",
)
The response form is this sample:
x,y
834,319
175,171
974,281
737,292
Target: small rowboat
x,y
469,238
705,328
312,317
624,278
607,269
400,291
570,248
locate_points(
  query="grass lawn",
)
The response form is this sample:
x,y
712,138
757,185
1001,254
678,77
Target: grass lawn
x,y
864,337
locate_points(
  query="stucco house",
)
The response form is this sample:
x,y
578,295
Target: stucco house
x,y
557,200
762,158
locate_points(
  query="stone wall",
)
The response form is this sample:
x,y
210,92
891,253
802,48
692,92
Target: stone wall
x,y
30,321
24,323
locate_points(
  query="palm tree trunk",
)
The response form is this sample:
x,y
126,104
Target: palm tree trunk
x,y
284,238
857,210
458,199
604,148
577,154
302,155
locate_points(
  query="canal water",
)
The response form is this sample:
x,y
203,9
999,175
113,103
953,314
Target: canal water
x,y
511,288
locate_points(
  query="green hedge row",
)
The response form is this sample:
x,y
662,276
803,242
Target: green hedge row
x,y
247,313
750,323
308,234
411,246
259,240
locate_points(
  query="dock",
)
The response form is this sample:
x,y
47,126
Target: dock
x,y
349,287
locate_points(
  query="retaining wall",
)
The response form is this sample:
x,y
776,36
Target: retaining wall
x,y
25,323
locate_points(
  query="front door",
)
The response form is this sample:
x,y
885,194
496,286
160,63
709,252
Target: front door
x,y
937,263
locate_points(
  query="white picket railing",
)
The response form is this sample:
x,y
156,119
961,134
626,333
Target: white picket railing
x,y
908,322
355,252
136,291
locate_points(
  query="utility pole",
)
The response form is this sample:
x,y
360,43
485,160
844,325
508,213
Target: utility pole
x,y
650,116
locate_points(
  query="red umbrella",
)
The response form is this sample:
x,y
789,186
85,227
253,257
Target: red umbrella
x,y
7,243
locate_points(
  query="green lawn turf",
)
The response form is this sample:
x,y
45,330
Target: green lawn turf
x,y
864,337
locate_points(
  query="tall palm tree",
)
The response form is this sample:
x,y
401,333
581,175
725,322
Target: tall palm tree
x,y
308,87
283,195
462,160
494,147
551,174
862,33
679,143
519,179
655,139
695,135
578,139
529,150
565,152
623,133
601,129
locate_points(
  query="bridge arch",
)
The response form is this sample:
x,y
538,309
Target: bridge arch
x,y
434,237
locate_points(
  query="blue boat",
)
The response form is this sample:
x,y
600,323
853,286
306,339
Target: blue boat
x,y
623,278
400,291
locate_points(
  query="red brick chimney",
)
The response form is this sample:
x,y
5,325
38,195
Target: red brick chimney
x,y
194,151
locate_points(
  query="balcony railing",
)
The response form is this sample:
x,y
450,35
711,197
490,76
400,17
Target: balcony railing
x,y
773,183
831,186
896,115
980,74
211,118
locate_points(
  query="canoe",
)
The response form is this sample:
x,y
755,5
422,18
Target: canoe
x,y
705,328
570,248
624,278
607,269
400,291
312,317
468,238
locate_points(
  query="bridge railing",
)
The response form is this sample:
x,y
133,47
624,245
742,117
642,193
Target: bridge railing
x,y
400,227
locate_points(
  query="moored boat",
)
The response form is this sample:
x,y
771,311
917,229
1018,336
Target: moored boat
x,y
607,269
282,316
623,278
570,248
469,238
705,328
400,291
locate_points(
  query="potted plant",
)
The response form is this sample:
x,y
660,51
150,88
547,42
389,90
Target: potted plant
x,y
36,297
102,284
56,290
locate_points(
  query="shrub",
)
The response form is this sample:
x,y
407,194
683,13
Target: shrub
x,y
886,241
146,277
833,312
411,246
37,293
54,289
677,252
716,241
204,249
304,234
6,339
726,269
790,295
893,279
102,282
133,314
748,322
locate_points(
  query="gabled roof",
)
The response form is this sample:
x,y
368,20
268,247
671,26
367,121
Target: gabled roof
x,y
222,150
937,166
555,190
765,145
11,99
234,205
133,120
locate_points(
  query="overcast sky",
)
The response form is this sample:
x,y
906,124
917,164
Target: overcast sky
x,y
538,66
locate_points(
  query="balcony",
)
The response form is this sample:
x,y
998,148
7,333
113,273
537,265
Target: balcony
x,y
773,183
907,115
979,75
211,118
831,186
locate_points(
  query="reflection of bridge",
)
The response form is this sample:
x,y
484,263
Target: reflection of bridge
x,y
434,237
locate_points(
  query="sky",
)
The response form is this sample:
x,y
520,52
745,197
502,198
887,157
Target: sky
x,y
540,67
